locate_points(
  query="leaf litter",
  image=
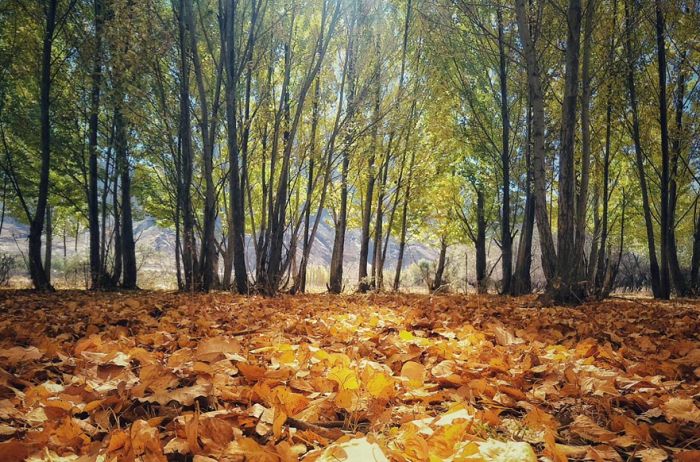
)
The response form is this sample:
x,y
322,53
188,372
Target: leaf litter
x,y
214,377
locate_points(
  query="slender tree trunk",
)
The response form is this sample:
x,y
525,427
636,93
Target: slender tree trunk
x,y
631,62
328,169
377,259
679,281
440,268
335,283
404,221
363,283
565,288
664,282
582,197
409,129
275,263
118,260
205,280
506,240
603,258
188,257
49,244
595,242
611,273
538,152
522,283
128,247
315,115
178,244
695,261
95,260
480,243
36,227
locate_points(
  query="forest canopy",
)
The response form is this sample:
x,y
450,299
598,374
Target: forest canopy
x,y
559,140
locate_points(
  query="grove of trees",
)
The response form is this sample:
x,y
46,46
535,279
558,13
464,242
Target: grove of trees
x,y
565,131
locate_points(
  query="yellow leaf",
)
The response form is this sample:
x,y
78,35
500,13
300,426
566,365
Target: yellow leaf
x,y
345,377
406,335
380,386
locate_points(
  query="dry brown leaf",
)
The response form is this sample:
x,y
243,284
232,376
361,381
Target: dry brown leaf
x,y
586,428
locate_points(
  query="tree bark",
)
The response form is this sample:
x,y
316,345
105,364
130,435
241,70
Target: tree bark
x,y
506,239
128,247
677,276
363,282
664,281
631,62
335,283
315,115
480,243
566,287
36,227
205,279
695,261
582,197
538,152
603,257
522,283
93,217
236,236
49,244
440,268
185,134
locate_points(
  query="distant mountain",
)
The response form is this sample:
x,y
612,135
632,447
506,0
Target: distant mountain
x,y
156,246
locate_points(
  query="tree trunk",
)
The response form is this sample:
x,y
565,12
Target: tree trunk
x,y
538,152
335,283
95,257
363,282
185,133
565,287
603,258
679,281
611,273
480,243
409,129
522,283
237,217
205,280
377,259
631,62
404,220
582,198
118,260
440,268
49,244
695,261
506,240
664,282
589,274
36,227
128,248
310,184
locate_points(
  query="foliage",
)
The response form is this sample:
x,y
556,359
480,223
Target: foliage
x,y
418,378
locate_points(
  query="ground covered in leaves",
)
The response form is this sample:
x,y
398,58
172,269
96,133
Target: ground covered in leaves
x,y
165,376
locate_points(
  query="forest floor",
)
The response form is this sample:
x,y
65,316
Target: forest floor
x,y
157,376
